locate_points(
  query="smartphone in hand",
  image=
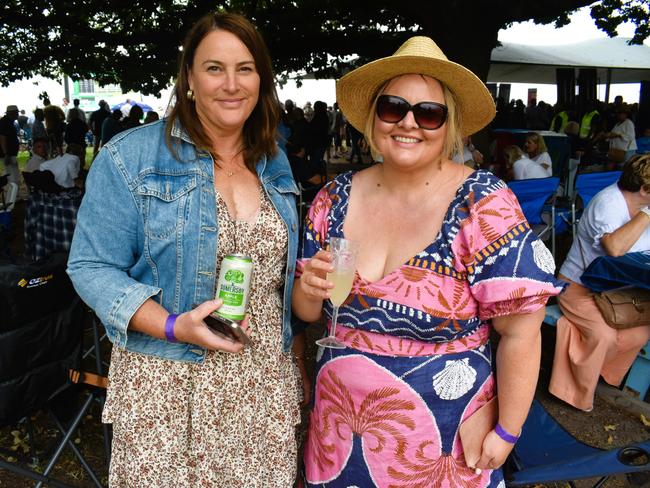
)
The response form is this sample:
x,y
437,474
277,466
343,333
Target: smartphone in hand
x,y
226,327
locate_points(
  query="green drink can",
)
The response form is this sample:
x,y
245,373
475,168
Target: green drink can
x,y
234,285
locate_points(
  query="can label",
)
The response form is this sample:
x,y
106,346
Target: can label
x,y
234,285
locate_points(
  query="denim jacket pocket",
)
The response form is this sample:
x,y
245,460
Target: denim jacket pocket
x,y
164,202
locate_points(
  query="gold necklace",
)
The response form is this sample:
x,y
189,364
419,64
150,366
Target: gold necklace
x,y
230,173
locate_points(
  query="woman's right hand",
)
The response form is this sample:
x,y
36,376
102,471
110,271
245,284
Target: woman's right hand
x,y
191,328
313,282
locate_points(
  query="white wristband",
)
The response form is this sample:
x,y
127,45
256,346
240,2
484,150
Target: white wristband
x,y
645,210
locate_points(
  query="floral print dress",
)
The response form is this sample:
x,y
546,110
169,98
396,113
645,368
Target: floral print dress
x,y
417,362
229,422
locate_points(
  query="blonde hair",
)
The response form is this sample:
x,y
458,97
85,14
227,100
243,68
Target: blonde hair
x,y
636,174
512,154
453,139
539,141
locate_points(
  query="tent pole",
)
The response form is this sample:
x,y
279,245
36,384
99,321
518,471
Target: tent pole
x,y
609,82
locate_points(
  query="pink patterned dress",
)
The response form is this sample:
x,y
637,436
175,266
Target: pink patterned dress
x,y
417,362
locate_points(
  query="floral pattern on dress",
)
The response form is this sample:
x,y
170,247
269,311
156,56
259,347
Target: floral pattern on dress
x,y
230,421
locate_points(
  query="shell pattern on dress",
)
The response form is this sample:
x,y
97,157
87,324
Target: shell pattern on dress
x,y
543,257
456,379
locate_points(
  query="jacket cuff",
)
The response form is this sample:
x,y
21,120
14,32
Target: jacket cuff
x,y
124,306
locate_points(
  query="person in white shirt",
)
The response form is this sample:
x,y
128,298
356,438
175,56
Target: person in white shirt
x,y
616,221
65,167
535,147
522,167
470,156
623,135
39,155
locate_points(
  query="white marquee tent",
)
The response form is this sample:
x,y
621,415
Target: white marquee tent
x,y
614,59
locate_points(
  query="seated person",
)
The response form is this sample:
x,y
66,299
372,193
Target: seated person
x,y
535,147
66,168
522,168
39,155
471,156
616,221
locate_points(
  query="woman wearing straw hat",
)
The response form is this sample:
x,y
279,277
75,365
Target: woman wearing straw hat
x,y
445,253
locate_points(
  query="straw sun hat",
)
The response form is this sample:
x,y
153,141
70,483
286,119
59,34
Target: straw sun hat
x,y
420,55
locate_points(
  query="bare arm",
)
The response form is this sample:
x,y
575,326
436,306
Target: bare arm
x,y
150,319
518,359
622,239
312,287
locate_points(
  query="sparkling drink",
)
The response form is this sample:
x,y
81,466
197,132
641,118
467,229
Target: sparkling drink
x,y
233,286
342,279
344,256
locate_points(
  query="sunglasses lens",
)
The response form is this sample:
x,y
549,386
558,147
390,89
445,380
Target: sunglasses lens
x,y
391,109
430,115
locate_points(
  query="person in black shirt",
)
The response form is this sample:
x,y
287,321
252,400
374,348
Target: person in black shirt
x,y
9,143
96,121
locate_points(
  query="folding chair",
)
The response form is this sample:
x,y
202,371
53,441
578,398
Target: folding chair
x,y
41,332
587,185
638,378
532,196
547,453
8,194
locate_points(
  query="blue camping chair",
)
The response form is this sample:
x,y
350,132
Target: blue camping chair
x,y
533,195
547,453
587,185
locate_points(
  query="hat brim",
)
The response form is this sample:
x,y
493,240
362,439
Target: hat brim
x,y
356,90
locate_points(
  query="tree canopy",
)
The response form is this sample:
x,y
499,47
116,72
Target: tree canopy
x,y
136,44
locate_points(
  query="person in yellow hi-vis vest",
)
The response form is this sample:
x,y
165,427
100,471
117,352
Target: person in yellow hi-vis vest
x,y
560,120
588,120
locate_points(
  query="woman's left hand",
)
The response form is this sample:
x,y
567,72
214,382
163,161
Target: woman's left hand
x,y
494,453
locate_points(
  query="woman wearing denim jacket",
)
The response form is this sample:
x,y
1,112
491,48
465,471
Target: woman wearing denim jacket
x,y
165,203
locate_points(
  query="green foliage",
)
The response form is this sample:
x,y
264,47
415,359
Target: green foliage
x,y
609,14
136,44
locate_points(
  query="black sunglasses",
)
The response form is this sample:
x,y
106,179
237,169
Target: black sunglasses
x,y
428,115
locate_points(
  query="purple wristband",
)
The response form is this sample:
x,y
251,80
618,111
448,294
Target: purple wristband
x,y
169,327
505,435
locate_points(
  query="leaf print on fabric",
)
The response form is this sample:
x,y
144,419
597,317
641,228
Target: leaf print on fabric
x,y
317,221
442,472
453,307
384,417
488,220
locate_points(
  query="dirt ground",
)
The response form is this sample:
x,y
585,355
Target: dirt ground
x,y
605,427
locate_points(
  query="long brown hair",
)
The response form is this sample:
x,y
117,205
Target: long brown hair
x,y
260,127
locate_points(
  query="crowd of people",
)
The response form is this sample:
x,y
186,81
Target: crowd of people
x,y
445,257
57,139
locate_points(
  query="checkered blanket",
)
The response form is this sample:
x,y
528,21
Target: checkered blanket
x,y
50,220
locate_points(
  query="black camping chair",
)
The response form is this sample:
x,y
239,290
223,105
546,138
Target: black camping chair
x,y
41,332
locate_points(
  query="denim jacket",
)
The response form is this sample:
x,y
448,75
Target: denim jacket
x,y
148,228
